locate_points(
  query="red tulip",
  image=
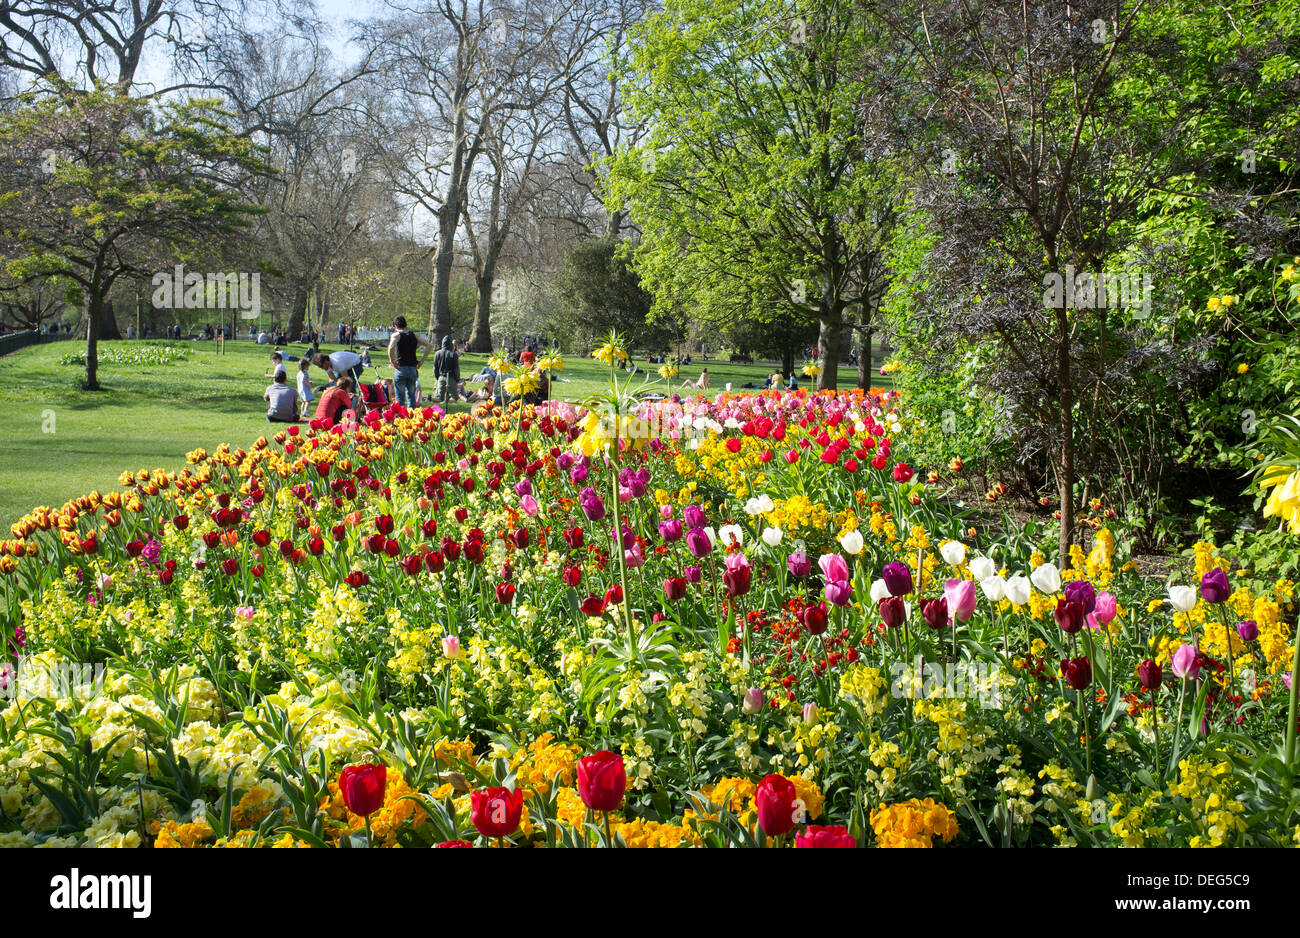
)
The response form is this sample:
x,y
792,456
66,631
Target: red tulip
x,y
602,780
777,805
675,588
1077,672
362,787
495,812
814,619
505,593
830,836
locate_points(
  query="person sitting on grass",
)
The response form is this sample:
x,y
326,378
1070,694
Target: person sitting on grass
x,y
283,400
701,384
335,401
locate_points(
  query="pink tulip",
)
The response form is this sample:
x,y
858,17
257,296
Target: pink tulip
x,y
530,506
834,567
961,597
1184,663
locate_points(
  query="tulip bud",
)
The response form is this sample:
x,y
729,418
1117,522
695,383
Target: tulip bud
x,y
451,647
753,701
1150,674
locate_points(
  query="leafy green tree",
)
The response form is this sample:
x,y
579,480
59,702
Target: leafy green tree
x,y
598,292
99,186
757,191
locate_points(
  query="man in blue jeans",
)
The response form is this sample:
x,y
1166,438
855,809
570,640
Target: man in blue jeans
x,y
402,348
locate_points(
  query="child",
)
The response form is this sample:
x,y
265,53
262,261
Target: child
x,y
305,397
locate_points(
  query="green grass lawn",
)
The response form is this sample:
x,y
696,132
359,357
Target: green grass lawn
x,y
61,442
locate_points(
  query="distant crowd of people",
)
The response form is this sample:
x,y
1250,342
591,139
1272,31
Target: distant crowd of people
x,y
347,389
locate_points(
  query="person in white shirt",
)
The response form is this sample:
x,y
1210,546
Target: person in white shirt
x,y
337,364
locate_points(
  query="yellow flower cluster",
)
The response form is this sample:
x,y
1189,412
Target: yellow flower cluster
x,y
1283,486
913,823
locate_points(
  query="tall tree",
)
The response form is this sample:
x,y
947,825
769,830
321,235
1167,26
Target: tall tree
x,y
454,68
1047,127
749,182
98,186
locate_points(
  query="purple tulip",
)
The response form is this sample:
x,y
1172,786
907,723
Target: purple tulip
x,y
698,543
798,564
629,536
670,530
898,578
694,517
1081,592
592,505
1248,630
1214,586
524,487
694,574
838,592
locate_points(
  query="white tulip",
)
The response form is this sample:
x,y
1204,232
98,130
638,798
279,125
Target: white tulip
x,y
954,552
1047,578
771,536
994,587
852,542
1017,589
730,532
1182,598
878,591
983,568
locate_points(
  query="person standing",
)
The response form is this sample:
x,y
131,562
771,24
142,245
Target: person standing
x,y
402,348
446,370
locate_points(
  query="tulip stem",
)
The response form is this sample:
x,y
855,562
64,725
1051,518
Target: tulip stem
x,y
1155,722
609,834
1178,729
1291,708
370,840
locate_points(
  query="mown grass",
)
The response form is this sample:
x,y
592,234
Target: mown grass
x,y
60,442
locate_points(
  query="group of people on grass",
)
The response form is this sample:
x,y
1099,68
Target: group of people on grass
x,y
346,390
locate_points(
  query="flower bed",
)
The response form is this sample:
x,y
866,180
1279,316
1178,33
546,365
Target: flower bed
x,y
751,626
135,355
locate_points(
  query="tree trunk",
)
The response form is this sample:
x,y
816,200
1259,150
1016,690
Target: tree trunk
x,y
440,302
298,314
108,321
828,345
480,337
787,359
864,355
94,322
